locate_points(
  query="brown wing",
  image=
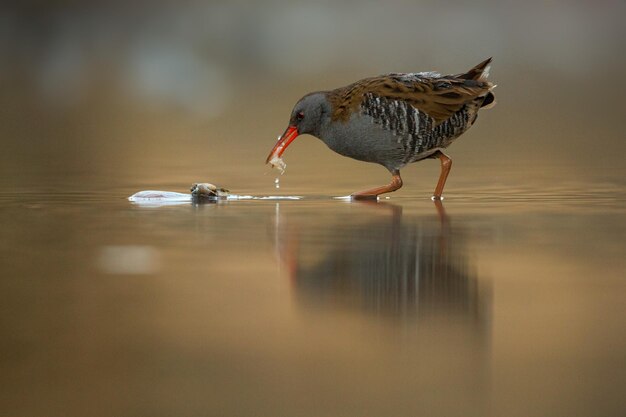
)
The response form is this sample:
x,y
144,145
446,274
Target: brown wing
x,y
438,97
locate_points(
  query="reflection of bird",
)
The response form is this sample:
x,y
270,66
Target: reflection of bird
x,y
384,264
393,119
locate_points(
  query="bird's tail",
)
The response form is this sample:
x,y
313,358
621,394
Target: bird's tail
x,y
480,73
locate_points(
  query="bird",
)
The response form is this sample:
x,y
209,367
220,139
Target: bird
x,y
393,120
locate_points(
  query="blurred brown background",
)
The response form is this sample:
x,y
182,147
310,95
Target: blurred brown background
x,y
169,93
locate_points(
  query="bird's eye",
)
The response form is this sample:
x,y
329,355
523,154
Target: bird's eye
x,y
300,116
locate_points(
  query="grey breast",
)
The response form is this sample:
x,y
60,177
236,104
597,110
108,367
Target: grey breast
x,y
361,139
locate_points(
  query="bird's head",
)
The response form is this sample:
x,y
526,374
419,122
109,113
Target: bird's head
x,y
307,116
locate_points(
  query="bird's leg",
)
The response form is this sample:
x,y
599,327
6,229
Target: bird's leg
x,y
395,184
446,164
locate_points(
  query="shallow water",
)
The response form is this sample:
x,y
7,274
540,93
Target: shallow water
x,y
507,300
501,301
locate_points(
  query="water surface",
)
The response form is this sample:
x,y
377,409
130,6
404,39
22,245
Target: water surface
x,y
500,301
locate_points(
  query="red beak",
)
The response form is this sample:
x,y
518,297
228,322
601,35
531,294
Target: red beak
x,y
290,134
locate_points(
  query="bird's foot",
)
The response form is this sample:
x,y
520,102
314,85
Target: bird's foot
x,y
373,193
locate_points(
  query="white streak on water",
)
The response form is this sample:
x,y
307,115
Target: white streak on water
x,y
155,196
164,198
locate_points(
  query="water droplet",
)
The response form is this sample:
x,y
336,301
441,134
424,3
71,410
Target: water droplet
x,y
277,182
